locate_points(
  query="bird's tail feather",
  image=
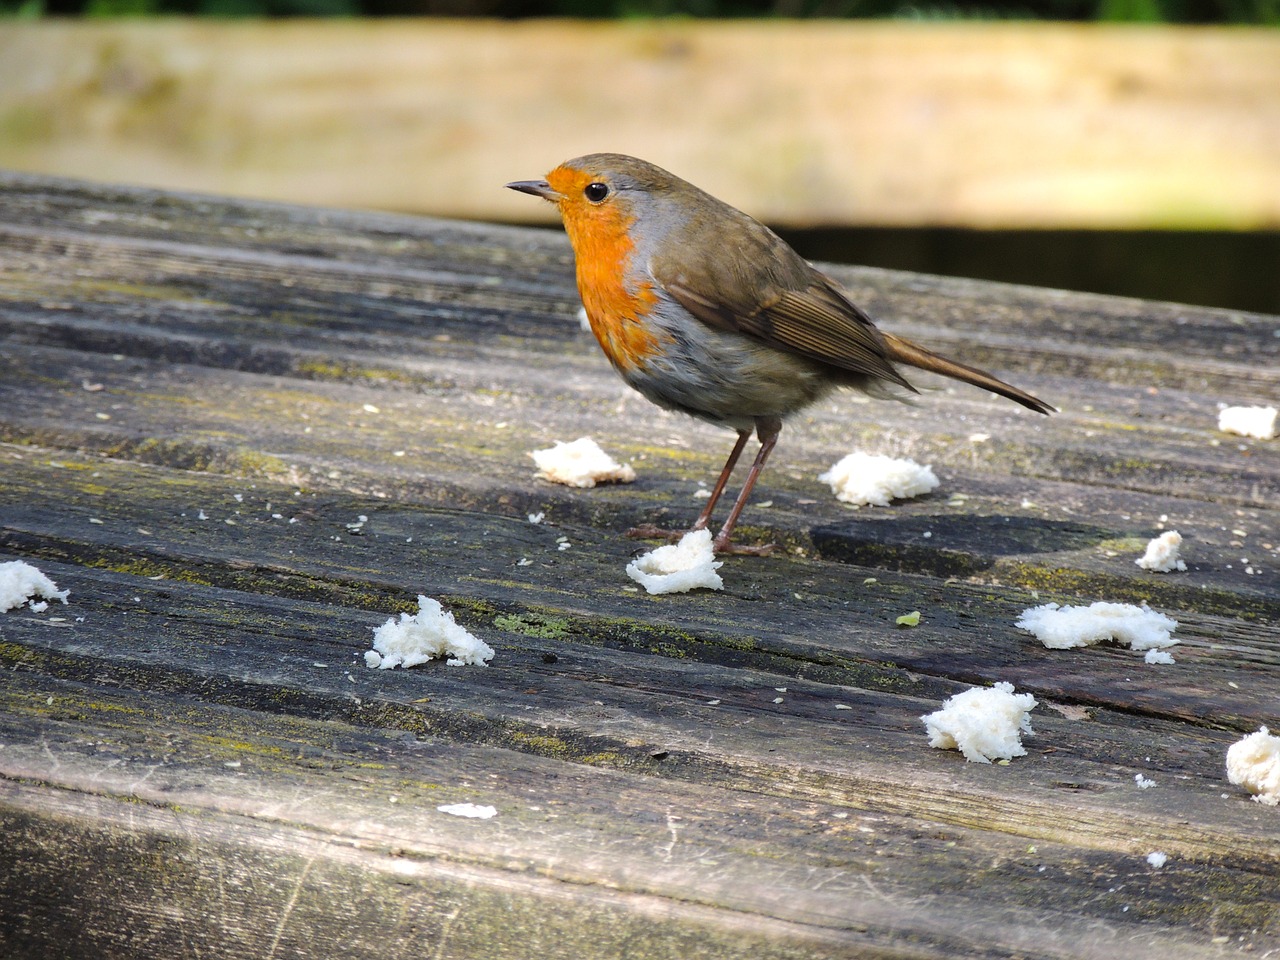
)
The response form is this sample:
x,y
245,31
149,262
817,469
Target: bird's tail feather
x,y
914,355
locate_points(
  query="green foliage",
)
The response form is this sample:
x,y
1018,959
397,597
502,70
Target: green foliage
x,y
1130,11
121,8
1115,11
22,9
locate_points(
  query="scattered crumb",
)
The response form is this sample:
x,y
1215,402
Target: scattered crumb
x,y
1259,422
20,581
1061,628
1254,763
1071,711
580,464
473,810
1142,782
1157,859
431,632
864,478
537,517
911,619
1159,656
983,723
679,567
1162,554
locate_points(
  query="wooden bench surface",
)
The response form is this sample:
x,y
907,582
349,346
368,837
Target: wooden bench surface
x,y
199,401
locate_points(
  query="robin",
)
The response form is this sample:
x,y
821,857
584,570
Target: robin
x,y
705,310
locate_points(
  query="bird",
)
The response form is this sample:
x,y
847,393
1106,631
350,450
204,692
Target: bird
x,y
705,310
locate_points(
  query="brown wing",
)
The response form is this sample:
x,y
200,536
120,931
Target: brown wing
x,y
757,285
734,273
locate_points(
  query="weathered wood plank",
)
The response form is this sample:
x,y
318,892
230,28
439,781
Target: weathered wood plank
x,y
1010,125
199,309
361,797
182,378
828,650
174,754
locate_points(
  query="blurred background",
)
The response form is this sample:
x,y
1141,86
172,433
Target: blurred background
x,y
1118,146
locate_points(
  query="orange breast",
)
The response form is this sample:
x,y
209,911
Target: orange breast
x,y
617,303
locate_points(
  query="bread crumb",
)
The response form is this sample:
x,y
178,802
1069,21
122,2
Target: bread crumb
x,y
864,478
20,582
1258,422
1061,628
1159,656
1157,859
580,464
473,810
1142,782
983,723
429,633
1162,554
679,567
1254,763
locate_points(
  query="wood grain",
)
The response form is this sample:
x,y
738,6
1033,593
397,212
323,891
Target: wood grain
x,y
201,397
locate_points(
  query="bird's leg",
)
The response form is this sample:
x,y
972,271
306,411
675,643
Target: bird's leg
x,y
649,530
767,429
704,517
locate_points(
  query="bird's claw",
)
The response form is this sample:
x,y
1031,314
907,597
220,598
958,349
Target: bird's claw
x,y
743,549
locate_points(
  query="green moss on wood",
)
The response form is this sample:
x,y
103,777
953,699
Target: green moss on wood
x,y
534,625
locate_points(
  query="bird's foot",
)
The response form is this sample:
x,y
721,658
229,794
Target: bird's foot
x,y
651,531
743,549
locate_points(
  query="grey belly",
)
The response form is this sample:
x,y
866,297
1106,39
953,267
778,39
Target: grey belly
x,y
730,380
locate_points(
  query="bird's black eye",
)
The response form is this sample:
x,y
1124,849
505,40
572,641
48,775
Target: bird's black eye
x,y
595,192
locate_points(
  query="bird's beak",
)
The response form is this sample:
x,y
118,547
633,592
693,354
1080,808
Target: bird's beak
x,y
539,188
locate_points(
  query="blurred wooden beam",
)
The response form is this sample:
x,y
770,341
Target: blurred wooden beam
x,y
991,125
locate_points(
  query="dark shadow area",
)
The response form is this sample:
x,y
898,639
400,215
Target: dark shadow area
x,y
950,546
1214,269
